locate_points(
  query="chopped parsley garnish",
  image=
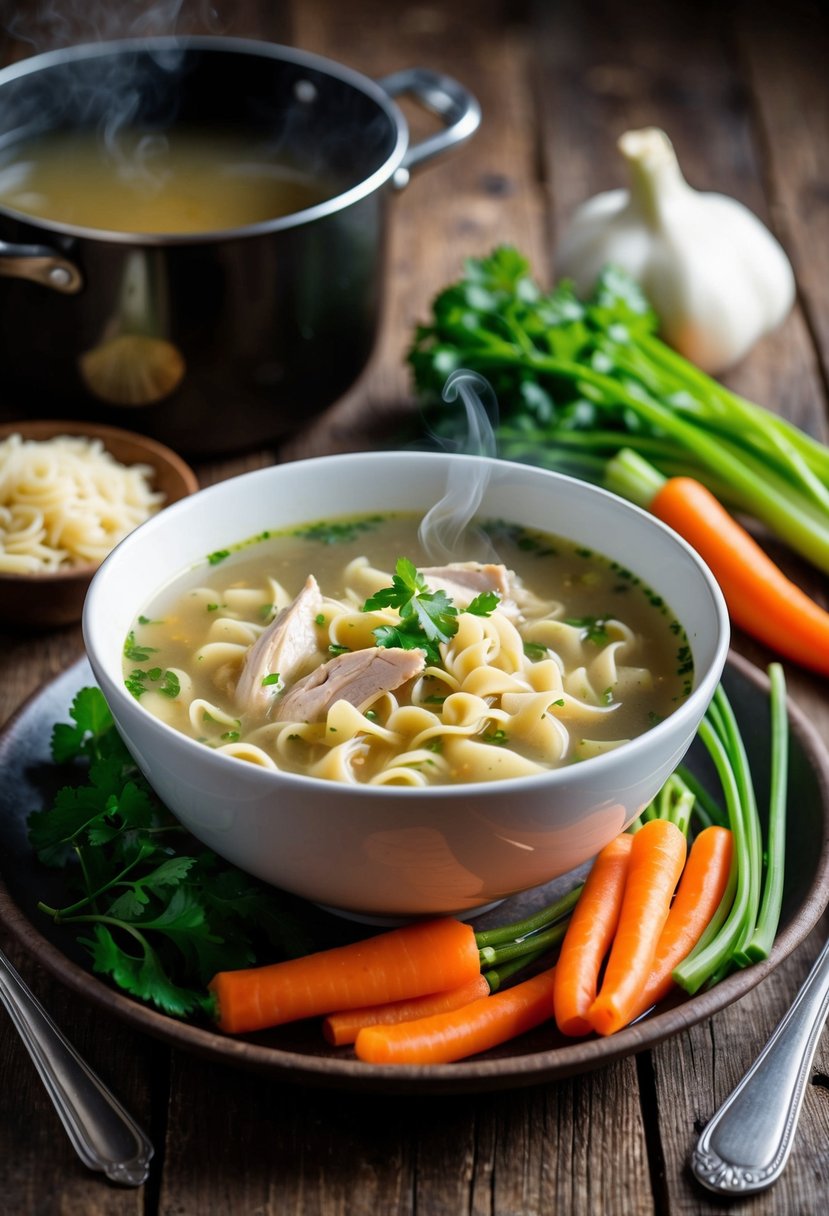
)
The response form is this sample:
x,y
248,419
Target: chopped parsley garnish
x,y
166,682
135,651
499,737
426,617
594,627
535,652
271,678
528,542
685,661
217,556
335,533
484,604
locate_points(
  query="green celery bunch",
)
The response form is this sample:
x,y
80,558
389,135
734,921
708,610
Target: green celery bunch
x,y
576,380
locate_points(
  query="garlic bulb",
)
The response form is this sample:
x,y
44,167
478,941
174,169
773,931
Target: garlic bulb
x,y
716,277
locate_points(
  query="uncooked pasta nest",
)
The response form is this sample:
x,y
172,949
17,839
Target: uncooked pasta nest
x,y
66,502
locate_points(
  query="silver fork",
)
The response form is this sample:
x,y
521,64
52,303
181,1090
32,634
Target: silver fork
x,y
746,1144
104,1136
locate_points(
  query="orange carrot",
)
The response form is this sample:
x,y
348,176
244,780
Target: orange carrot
x,y
342,1027
427,956
445,1037
588,937
701,888
657,857
760,598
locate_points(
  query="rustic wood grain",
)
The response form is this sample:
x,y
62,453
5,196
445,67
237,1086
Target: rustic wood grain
x,y
744,96
604,74
479,195
712,1060
39,1171
785,65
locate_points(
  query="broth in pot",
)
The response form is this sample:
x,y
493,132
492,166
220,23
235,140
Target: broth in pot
x,y
185,180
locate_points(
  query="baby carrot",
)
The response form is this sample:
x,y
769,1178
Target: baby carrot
x,y
760,598
657,857
342,1027
445,1037
588,937
702,886
427,956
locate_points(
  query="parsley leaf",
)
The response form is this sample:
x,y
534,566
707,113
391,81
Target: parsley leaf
x,y
484,604
426,617
135,651
157,913
338,531
595,628
136,682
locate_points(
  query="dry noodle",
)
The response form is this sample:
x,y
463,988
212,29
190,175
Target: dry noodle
x,y
66,502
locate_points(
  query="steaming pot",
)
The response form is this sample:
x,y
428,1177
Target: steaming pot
x,y
264,325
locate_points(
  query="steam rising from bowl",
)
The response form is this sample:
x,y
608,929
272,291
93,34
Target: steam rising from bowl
x,y
444,530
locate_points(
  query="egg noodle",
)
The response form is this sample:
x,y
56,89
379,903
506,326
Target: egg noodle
x,y
486,712
66,502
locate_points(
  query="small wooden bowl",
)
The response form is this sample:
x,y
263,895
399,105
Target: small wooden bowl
x,y
38,601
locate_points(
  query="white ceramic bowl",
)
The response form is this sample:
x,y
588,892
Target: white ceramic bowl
x,y
391,852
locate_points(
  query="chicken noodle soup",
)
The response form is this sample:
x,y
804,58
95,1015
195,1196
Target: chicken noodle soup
x,y
322,652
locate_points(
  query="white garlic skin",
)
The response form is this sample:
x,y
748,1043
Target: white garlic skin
x,y
716,277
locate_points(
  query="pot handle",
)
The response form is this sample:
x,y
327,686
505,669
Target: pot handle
x,y
443,96
40,264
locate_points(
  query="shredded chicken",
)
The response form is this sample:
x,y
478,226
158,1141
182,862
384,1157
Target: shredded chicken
x,y
287,646
357,677
464,580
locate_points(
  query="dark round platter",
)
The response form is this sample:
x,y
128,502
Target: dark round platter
x,y
298,1053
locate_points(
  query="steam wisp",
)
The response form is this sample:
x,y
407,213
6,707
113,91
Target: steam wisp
x,y
445,531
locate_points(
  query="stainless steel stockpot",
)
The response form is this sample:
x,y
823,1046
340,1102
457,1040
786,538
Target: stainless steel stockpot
x,y
234,337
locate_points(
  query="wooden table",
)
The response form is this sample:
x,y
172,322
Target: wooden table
x,y
743,91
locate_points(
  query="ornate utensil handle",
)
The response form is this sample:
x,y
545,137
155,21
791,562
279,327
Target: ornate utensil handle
x,y
745,1146
104,1136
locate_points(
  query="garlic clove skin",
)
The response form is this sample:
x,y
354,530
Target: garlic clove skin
x,y
715,275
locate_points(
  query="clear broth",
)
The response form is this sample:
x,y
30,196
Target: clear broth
x,y
205,602
182,181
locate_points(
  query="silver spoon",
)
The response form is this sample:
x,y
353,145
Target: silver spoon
x,y
745,1146
104,1136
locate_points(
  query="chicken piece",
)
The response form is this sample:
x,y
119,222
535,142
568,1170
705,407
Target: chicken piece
x,y
286,646
356,677
462,581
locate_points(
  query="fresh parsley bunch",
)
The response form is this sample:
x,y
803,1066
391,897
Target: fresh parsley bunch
x,y
576,380
158,914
